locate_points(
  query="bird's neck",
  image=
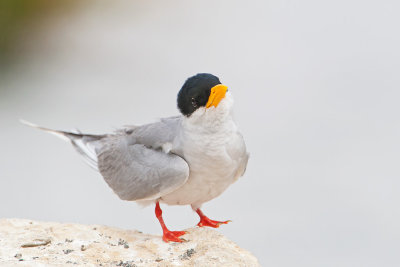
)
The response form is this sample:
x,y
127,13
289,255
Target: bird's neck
x,y
211,123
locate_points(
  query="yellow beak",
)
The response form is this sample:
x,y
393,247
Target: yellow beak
x,y
217,94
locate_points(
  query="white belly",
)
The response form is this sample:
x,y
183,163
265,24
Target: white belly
x,y
214,163
203,184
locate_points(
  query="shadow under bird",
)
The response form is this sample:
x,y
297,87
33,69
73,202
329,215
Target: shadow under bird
x,y
182,160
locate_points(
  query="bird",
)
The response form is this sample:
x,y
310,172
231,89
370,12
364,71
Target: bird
x,y
187,159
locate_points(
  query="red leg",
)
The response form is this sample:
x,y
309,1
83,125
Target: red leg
x,y
167,234
205,221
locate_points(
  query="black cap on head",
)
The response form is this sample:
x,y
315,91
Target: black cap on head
x,y
195,92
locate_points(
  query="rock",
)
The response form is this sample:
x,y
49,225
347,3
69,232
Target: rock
x,y
94,245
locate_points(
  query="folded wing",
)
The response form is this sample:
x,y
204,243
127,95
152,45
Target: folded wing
x,y
132,161
134,165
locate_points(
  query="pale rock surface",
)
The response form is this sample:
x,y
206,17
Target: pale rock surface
x,y
33,243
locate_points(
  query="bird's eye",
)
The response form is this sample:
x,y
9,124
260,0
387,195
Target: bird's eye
x,y
194,102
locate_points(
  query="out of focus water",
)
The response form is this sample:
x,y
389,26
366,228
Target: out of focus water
x,y
316,87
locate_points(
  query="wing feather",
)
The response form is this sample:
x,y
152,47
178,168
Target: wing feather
x,y
133,161
134,164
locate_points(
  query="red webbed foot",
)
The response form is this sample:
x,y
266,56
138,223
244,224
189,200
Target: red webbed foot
x,y
173,236
168,236
179,233
205,221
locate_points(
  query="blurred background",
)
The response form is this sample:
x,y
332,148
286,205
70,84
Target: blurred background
x,y
316,87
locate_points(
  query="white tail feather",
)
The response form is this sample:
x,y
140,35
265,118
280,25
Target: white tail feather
x,y
59,134
87,150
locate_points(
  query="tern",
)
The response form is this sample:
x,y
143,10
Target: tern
x,y
182,160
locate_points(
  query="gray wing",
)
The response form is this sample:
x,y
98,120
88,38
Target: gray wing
x,y
134,165
153,135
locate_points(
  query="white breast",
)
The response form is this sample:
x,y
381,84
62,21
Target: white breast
x,y
215,152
